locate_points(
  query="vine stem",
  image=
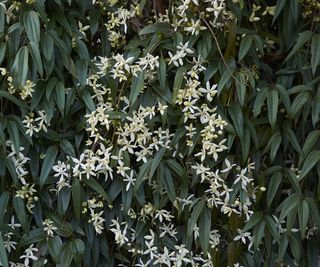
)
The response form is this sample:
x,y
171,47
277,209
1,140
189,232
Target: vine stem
x,y
219,50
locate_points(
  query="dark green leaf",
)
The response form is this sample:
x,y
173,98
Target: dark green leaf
x,y
273,101
48,162
32,25
310,161
137,85
245,45
315,52
3,253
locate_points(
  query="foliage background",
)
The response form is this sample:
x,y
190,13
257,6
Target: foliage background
x,y
266,70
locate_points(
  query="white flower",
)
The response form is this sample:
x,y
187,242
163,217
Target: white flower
x,y
162,108
209,91
244,179
29,255
184,48
49,227
97,221
120,236
130,180
12,224
229,166
142,264
27,90
61,170
214,238
242,236
163,214
182,51
149,61
195,27
164,258
82,28
9,244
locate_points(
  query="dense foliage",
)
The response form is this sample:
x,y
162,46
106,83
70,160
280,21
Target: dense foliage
x,y
159,133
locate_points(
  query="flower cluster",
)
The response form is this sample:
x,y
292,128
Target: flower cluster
x,y
125,140
27,192
37,124
188,15
140,165
19,160
96,219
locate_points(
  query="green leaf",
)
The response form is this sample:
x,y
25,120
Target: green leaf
x,y
178,79
82,69
76,198
288,205
313,252
295,247
33,236
293,178
205,228
272,227
2,18
245,45
48,162
311,160
178,169
97,188
197,209
86,97
3,47
67,147
66,255
47,46
293,139
4,199
315,52
159,27
39,91
241,89
310,141
20,212
32,25
60,96
169,185
156,160
237,119
314,210
254,219
142,175
259,101
14,134
274,144
226,76
283,246
50,86
303,215
279,7
302,39
162,73
298,102
12,169
35,54
258,233
273,102
136,86
54,246
284,96
3,253
23,65
273,187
